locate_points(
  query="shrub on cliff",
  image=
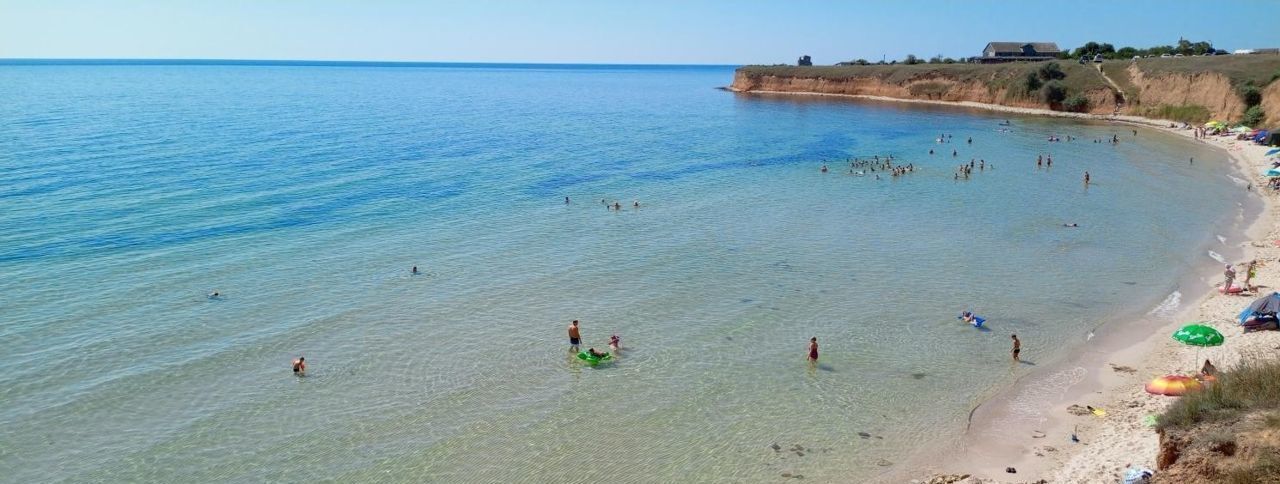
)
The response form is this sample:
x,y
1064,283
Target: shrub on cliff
x,y
1032,83
1053,93
911,60
1076,103
1249,94
1254,116
1051,71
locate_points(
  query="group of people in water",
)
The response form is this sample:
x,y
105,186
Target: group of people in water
x,y
965,170
575,341
868,166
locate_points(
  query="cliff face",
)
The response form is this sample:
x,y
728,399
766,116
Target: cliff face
x,y
1208,89
928,86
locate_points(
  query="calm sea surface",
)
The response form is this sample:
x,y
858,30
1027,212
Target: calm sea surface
x,y
305,193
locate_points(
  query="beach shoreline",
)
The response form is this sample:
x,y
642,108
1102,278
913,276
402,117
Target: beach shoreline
x,y
1109,373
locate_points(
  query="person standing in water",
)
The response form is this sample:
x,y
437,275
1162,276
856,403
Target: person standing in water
x,y
813,349
566,200
300,366
575,338
414,271
1017,347
1086,178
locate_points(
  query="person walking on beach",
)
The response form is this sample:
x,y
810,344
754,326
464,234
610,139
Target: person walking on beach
x,y
300,366
1017,347
1250,273
575,338
813,349
1230,274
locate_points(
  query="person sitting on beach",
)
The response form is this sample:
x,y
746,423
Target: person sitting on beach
x,y
596,354
1208,370
300,366
614,342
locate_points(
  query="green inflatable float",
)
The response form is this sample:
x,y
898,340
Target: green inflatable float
x,y
594,360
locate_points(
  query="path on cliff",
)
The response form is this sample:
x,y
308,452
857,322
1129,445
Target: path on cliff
x,y
1116,87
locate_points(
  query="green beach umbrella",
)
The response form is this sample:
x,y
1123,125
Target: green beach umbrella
x,y
1199,335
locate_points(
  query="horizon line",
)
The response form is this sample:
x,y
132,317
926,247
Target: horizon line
x,y
314,62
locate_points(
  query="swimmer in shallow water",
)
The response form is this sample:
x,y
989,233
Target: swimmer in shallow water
x,y
215,295
614,342
1071,225
300,366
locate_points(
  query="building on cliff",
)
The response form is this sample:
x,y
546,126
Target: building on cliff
x,y
996,52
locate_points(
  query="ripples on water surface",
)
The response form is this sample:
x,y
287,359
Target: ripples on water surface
x,y
305,193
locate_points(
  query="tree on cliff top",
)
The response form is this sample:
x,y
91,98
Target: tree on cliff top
x,y
911,60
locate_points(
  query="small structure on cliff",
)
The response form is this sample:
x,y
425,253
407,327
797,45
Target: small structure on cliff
x,y
996,52
804,60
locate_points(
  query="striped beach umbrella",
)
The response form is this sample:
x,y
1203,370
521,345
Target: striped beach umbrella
x,y
1173,385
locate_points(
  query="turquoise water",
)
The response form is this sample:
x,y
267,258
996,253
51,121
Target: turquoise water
x,y
305,193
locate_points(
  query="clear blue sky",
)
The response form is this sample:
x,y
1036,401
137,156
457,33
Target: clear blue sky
x,y
602,31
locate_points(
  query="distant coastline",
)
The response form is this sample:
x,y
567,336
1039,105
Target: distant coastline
x,y
338,63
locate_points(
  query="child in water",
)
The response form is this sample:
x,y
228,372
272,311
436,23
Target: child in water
x,y
614,341
595,354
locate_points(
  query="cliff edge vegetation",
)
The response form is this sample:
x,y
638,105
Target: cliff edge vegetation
x,y
1064,86
1232,88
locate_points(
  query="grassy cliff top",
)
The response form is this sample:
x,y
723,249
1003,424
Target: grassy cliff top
x,y
1261,69
1079,77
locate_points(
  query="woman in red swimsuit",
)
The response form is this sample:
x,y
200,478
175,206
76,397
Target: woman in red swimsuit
x,y
813,349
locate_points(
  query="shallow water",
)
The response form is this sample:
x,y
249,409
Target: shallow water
x,y
304,194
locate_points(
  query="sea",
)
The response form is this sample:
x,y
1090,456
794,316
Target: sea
x,y
304,193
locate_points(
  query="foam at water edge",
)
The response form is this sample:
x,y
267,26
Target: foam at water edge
x,y
1218,257
1169,306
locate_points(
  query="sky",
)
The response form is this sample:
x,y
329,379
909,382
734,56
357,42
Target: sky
x,y
603,31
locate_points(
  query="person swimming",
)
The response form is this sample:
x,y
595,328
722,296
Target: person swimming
x,y
1071,225
300,366
414,271
614,342
215,295
967,317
